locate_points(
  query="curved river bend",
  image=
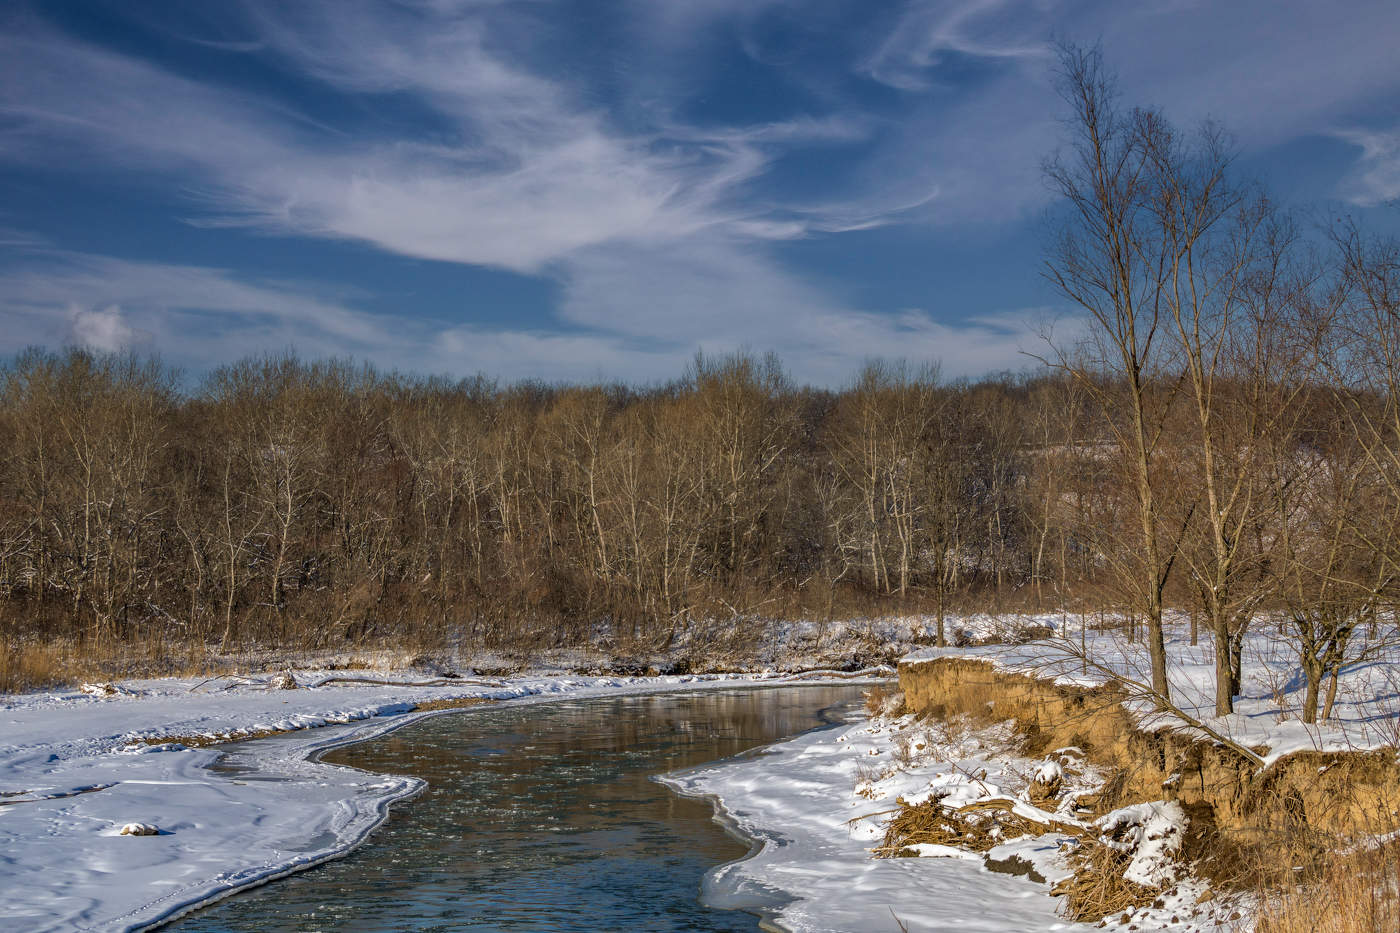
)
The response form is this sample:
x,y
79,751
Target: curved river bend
x,y
540,818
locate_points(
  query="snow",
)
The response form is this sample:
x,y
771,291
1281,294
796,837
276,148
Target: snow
x,y
1366,716
818,803
817,806
1153,832
78,767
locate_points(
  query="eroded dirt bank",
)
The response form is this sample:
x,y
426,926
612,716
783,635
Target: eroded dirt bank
x,y
1236,809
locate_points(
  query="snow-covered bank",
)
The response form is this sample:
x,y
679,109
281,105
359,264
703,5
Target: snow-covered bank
x,y
818,806
1366,714
814,872
74,768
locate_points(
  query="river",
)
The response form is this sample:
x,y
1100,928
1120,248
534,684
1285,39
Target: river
x,y
540,818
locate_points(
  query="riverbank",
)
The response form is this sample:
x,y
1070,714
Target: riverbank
x,y
76,767
1005,772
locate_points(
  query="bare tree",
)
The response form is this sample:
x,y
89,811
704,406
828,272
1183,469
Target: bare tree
x,y
1111,259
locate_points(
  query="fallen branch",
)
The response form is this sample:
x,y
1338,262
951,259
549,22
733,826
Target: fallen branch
x,y
377,682
880,670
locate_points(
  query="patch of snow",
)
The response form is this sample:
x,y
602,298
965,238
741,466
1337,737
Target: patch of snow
x,y
1153,833
817,805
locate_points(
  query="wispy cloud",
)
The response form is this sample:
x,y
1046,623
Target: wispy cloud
x,y
523,172
929,33
466,143
1376,177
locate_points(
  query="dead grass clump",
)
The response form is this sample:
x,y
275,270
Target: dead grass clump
x,y
33,665
457,703
976,827
1097,888
930,823
880,702
1356,894
1045,788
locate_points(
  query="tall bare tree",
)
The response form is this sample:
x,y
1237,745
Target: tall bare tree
x,y
1111,259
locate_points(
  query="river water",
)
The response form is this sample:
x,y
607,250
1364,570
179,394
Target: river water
x,y
540,818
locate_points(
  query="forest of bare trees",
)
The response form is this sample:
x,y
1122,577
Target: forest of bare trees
x,y
324,504
1225,441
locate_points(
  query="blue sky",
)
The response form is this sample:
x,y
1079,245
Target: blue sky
x,y
584,190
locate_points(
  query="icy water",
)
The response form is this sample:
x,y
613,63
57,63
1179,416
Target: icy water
x,y
540,818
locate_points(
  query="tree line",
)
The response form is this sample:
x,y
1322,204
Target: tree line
x,y
286,500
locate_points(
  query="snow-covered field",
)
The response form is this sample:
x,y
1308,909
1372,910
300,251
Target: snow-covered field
x,y
75,768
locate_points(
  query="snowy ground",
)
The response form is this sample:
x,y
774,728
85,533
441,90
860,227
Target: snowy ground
x,y
76,767
819,803
814,871
1366,715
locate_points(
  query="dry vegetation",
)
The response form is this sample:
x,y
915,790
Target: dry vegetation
x,y
324,507
1315,830
1358,893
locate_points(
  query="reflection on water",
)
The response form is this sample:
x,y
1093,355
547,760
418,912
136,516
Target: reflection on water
x,y
539,818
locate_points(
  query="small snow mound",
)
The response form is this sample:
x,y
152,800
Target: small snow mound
x,y
1047,782
105,689
139,829
1153,833
283,681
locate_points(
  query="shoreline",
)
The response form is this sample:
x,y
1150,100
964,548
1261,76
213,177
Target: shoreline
x,y
359,804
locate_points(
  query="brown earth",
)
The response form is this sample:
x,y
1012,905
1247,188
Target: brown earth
x,y
1286,816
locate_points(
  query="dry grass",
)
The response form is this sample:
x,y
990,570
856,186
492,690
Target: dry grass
x,y
881,702
932,824
976,827
1350,894
1097,888
35,664
31,666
